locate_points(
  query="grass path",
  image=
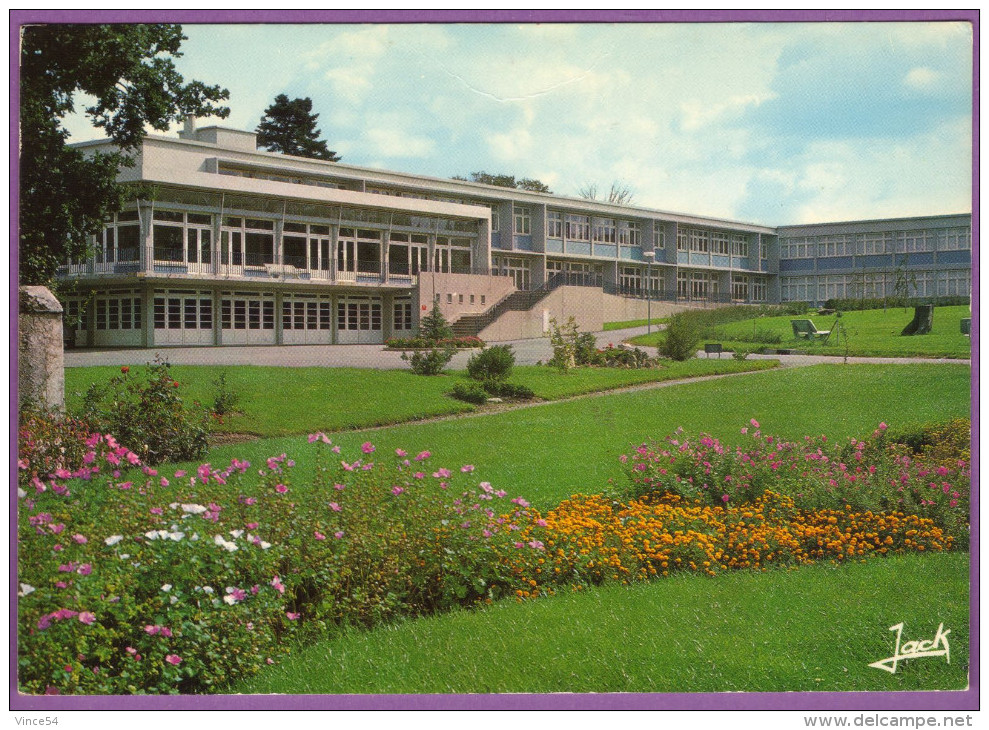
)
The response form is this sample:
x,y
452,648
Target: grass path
x,y
813,629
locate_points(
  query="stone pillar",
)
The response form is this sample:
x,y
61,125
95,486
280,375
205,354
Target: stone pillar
x,y
40,363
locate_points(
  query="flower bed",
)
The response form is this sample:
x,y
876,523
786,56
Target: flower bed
x,y
423,343
183,582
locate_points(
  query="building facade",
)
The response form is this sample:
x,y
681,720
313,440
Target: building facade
x,y
234,246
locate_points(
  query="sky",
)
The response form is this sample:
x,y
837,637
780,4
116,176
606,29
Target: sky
x,y
764,122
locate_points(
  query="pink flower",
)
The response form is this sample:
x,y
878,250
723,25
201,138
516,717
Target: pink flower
x,y
755,423
367,447
291,616
338,535
397,490
400,452
467,468
339,487
883,426
81,539
251,525
87,618
281,488
173,659
179,474
85,569
319,535
725,497
335,507
422,455
276,583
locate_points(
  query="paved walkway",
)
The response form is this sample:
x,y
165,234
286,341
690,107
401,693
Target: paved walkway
x,y
527,352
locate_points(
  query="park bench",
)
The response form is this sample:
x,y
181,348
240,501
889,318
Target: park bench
x,y
712,347
805,329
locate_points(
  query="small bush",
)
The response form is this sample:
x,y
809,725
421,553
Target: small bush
x,y
563,339
434,327
500,389
429,362
469,392
147,415
225,400
682,336
740,354
493,363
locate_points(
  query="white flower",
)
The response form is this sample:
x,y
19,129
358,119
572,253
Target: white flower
x,y
193,509
175,536
236,533
207,589
167,587
124,556
25,589
21,494
229,600
174,505
173,599
113,539
225,544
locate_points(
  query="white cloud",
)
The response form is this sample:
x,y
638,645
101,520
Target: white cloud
x,y
922,78
393,142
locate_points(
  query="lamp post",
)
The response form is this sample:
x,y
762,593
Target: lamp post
x,y
649,256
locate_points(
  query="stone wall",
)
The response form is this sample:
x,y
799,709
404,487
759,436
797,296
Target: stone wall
x,y
40,365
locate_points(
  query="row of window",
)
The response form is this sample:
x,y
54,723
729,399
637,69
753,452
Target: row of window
x,y
853,286
806,247
715,242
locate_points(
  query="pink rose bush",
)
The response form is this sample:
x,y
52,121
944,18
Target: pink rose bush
x,y
137,580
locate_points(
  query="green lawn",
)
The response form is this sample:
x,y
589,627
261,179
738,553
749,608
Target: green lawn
x,y
872,332
609,326
284,401
548,452
813,629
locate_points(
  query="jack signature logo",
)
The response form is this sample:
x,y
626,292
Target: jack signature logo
x,y
915,649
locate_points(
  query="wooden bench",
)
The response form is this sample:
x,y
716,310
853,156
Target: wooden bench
x,y
712,347
805,329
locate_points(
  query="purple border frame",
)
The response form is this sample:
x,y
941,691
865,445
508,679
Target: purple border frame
x,y
800,701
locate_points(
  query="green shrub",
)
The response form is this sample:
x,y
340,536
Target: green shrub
x,y
682,336
740,354
434,326
429,362
225,399
563,339
147,415
469,392
500,389
493,363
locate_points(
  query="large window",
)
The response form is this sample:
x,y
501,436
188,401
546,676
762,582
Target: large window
x,y
247,242
659,236
629,233
955,239
739,287
604,230
523,220
182,237
739,245
875,243
358,314
719,243
578,228
121,239
116,312
183,310
554,224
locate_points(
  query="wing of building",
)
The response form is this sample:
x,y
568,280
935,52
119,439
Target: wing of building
x,y
234,246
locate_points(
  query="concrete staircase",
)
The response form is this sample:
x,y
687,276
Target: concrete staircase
x,y
470,325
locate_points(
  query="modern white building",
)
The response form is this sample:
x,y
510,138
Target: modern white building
x,y
234,246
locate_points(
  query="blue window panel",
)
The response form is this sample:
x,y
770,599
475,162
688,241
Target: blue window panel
x,y
874,261
700,259
554,246
740,262
832,263
797,265
608,250
764,265
720,261
523,243
632,254
579,247
683,257
954,257
918,259
496,239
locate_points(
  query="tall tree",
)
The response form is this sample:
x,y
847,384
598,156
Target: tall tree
x,y
506,181
65,196
619,194
289,127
